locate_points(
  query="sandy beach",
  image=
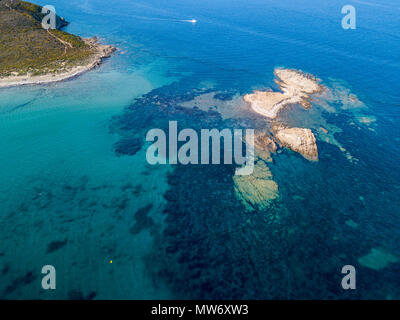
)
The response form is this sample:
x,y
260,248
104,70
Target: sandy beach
x,y
102,52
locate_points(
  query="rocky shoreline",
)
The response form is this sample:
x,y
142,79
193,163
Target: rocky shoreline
x,y
101,52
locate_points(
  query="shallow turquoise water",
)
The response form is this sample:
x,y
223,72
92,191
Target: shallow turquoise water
x,y
73,194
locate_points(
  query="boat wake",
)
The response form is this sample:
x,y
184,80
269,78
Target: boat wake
x,y
167,19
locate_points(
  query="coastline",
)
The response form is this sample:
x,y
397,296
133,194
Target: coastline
x,y
102,52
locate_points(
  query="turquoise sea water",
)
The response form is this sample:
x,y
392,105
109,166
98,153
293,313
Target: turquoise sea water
x,y
76,191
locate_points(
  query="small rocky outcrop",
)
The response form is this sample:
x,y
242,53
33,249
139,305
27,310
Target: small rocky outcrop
x,y
296,87
300,140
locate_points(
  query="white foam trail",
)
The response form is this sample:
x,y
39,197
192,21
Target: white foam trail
x,y
191,21
166,19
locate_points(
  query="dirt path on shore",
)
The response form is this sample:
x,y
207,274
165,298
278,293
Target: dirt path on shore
x,y
65,43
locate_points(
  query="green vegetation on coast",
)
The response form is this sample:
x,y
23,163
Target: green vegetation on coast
x,y
28,49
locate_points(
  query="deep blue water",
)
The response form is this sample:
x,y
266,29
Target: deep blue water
x,y
76,191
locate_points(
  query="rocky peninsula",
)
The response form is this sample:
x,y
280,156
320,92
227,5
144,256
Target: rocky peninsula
x,y
30,54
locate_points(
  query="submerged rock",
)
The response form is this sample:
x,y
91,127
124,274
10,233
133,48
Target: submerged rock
x,y
264,146
378,259
257,189
300,140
